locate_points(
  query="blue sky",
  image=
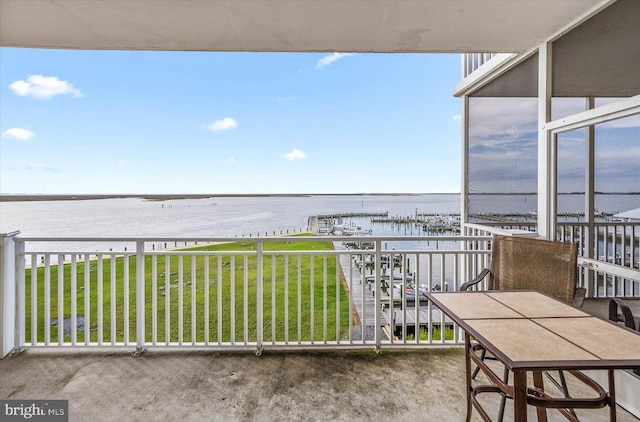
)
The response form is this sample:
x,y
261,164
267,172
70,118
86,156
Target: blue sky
x,y
503,153
187,122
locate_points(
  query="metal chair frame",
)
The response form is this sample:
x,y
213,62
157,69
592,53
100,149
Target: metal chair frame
x,y
551,267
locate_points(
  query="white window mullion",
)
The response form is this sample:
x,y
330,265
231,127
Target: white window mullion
x,y
546,164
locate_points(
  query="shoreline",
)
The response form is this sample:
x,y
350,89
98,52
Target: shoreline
x,y
122,254
167,197
18,197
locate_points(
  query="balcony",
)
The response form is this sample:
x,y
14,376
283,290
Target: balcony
x,y
296,292
278,297
274,293
472,61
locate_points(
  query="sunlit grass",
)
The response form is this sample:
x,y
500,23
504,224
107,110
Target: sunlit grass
x,y
198,298
423,335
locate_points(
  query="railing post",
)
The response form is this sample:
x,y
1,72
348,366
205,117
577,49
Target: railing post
x,y
259,300
378,310
9,278
589,233
21,298
140,299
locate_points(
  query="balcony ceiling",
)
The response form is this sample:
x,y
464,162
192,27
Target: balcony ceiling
x,y
601,58
288,25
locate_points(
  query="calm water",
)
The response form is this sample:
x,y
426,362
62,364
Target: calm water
x,y
212,217
185,218
245,216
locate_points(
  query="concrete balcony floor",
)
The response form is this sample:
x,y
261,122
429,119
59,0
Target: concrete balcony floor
x,y
190,385
425,385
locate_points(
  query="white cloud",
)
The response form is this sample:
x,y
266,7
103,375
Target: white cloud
x,y
327,60
493,117
42,167
456,117
230,160
39,86
296,154
627,122
18,133
225,124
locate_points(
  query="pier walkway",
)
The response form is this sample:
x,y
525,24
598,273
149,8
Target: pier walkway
x,y
392,317
358,290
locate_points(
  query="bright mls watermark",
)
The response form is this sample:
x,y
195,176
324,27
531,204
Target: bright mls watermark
x,y
34,410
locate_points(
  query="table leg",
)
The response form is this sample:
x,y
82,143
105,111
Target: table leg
x,y
467,360
612,396
520,396
539,383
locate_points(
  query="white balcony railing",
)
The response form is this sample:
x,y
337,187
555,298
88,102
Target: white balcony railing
x,y
472,61
279,293
610,267
292,292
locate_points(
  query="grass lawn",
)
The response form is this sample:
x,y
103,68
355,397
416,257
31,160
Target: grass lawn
x,y
222,286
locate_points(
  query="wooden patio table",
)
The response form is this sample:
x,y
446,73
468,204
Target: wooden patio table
x,y
529,331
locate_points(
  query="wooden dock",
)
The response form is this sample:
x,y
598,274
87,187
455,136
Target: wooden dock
x,y
362,299
396,317
392,318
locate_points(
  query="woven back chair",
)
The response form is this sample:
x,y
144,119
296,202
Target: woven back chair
x,y
519,263
529,264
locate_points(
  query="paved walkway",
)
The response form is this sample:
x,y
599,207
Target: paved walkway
x,y
363,299
365,303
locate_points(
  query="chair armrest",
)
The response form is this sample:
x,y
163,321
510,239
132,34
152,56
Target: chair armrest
x,y
578,298
476,280
626,315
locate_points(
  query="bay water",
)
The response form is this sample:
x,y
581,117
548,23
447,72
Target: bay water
x,y
249,216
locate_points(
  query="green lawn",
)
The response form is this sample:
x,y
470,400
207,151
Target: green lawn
x,y
187,283
437,334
